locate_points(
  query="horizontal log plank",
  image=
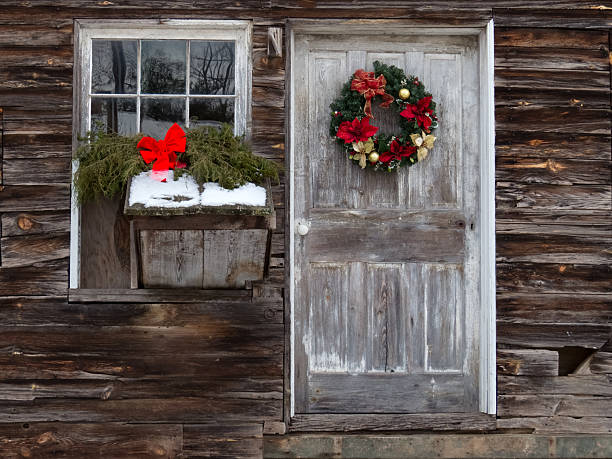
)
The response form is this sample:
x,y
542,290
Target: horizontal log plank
x,y
194,386
46,311
553,197
554,248
552,79
37,56
516,144
601,363
27,250
164,410
550,38
235,440
44,278
596,385
551,58
553,119
35,35
559,425
91,440
527,362
524,97
36,171
513,406
35,77
391,422
535,335
157,295
34,197
550,171
592,18
554,308
36,144
230,371
553,278
203,338
36,101
30,223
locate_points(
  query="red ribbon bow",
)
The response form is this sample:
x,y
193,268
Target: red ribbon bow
x,y
368,86
164,152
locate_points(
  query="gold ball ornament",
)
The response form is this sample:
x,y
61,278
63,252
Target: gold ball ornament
x,y
404,93
373,157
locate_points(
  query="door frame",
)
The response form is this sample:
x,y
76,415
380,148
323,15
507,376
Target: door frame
x,y
483,30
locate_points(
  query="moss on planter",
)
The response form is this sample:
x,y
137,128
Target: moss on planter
x,y
108,161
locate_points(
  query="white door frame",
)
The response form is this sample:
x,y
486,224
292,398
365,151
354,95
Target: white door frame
x,y
484,33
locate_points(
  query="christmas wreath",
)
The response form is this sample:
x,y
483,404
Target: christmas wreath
x,y
352,111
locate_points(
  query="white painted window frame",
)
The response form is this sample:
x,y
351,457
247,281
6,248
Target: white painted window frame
x,y
175,29
484,34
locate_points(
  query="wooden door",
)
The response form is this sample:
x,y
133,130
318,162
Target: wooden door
x,y
386,281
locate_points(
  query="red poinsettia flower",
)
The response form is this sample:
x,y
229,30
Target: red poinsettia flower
x,y
397,151
420,111
356,131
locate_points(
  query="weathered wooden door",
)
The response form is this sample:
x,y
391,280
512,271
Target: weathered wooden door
x,y
386,280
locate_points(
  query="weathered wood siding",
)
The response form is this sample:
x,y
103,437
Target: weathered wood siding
x,y
174,367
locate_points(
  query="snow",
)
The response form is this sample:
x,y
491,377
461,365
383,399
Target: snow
x,y
184,192
248,194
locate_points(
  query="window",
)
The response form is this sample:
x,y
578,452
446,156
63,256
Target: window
x,y
143,76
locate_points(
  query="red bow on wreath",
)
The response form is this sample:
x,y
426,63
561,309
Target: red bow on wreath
x,y
164,152
368,86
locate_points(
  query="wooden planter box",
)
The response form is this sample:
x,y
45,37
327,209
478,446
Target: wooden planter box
x,y
207,247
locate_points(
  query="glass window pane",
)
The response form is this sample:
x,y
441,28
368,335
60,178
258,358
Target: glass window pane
x,y
157,115
211,112
113,66
113,115
212,67
163,66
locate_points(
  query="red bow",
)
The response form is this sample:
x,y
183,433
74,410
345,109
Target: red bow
x,y
368,86
163,152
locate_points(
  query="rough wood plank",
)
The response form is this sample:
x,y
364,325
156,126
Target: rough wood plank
x,y
540,248
27,310
36,102
171,259
601,363
527,362
37,56
35,35
104,248
29,198
592,18
34,144
553,278
91,440
559,425
596,385
230,441
552,119
47,78
30,223
554,308
559,172
44,278
36,171
531,37
553,197
27,250
509,406
232,258
157,295
551,58
551,145
390,422
552,79
522,97
413,393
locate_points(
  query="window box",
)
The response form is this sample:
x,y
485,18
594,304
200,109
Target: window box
x,y
207,247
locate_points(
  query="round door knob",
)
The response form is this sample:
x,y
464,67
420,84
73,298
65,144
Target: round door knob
x,y
302,229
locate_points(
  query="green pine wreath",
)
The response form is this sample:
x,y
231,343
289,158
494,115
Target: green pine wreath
x,y
391,88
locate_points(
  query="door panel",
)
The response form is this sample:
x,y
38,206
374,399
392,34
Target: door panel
x,y
386,279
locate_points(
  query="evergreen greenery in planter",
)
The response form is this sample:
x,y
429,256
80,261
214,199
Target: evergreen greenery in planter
x,y
108,161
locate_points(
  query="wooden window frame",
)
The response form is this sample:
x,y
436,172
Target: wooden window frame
x,y
483,30
176,29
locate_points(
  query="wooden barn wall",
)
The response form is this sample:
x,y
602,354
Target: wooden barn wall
x,y
147,376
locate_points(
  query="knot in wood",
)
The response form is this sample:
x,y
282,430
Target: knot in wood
x,y
24,223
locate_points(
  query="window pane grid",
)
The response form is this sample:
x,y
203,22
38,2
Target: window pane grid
x,y
220,111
